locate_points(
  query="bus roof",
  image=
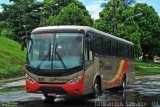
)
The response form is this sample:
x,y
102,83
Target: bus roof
x,y
85,28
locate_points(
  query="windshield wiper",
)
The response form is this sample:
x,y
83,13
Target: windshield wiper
x,y
53,52
57,53
60,58
45,57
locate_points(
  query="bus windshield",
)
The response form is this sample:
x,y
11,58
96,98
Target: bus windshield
x,y
55,50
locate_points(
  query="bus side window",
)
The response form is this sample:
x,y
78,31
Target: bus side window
x,y
117,49
99,44
133,52
113,48
107,47
125,51
88,52
121,50
130,52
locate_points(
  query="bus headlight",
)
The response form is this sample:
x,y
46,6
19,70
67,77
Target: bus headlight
x,y
76,79
30,79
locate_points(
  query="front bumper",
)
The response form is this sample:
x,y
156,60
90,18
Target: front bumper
x,y
58,89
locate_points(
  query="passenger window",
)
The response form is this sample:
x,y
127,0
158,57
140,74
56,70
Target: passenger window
x,y
113,48
125,51
117,49
88,53
99,45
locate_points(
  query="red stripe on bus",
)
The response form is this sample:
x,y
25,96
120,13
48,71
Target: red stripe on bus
x,y
120,78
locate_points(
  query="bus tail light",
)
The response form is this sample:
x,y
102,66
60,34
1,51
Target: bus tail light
x,y
76,79
30,79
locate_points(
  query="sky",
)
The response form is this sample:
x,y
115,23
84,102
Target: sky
x,y
93,6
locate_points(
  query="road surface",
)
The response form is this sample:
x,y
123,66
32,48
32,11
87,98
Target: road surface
x,y
144,92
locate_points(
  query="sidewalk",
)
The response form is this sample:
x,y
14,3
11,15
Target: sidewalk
x,y
13,84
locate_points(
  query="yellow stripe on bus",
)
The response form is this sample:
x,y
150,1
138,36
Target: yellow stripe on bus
x,y
118,73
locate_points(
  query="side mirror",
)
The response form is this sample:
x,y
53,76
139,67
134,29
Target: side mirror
x,y
23,40
22,45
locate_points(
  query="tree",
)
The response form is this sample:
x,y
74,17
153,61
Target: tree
x,y
129,30
116,8
52,7
149,25
56,6
112,21
71,15
20,14
5,31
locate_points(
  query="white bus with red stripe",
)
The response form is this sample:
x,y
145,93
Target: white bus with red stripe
x,y
76,60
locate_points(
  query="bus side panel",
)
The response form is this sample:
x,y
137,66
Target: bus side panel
x,y
109,69
113,70
88,80
90,75
130,74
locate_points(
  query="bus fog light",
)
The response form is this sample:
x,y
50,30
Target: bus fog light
x,y
76,79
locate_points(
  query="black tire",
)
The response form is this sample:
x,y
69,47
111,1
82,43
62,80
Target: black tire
x,y
49,98
123,84
96,89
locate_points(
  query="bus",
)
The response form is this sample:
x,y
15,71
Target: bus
x,y
76,60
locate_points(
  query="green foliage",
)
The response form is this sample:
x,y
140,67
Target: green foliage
x,y
110,19
147,68
129,30
30,14
59,7
71,15
104,23
6,32
3,24
114,19
149,25
12,60
21,13
52,7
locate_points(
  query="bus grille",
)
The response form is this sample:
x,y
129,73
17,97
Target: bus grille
x,y
56,90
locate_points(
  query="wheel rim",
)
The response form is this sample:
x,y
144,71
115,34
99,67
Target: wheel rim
x,y
96,88
123,84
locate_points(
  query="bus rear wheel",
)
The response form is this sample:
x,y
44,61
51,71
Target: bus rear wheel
x,y
96,89
123,84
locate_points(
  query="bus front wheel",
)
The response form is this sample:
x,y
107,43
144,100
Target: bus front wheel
x,y
96,89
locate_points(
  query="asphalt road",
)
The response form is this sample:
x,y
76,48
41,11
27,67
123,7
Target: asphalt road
x,y
145,92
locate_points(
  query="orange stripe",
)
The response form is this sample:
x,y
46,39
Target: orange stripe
x,y
118,78
118,73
